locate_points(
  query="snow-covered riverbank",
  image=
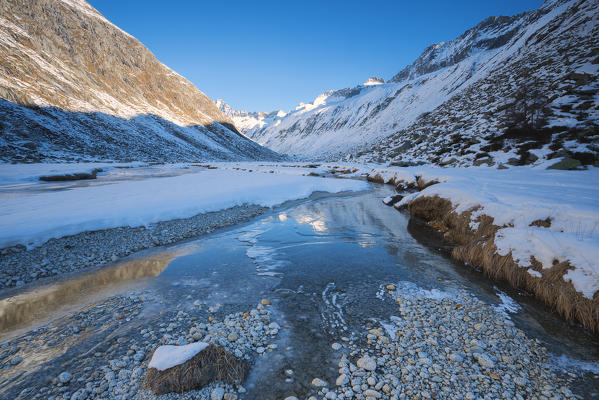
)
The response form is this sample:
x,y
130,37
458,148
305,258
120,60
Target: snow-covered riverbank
x,y
32,220
538,229
78,226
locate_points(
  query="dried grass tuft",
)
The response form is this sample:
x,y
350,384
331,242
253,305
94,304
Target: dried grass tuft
x,y
213,363
422,184
542,223
375,178
477,247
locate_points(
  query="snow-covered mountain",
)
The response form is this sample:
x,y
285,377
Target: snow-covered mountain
x,y
249,121
73,86
515,90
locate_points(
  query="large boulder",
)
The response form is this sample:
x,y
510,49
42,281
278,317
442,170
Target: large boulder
x,y
566,164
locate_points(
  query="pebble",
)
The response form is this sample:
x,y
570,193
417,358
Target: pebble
x,y
318,382
65,377
484,360
366,363
372,393
232,337
16,360
217,394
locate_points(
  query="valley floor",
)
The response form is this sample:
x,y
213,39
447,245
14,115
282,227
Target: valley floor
x,y
451,337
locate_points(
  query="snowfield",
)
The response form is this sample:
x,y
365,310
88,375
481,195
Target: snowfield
x,y
33,218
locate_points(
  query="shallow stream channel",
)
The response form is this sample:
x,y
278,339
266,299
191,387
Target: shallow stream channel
x,y
333,278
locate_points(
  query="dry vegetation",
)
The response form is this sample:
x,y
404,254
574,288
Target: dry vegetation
x,y
477,247
213,364
420,183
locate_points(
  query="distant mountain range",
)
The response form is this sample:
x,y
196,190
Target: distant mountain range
x,y
511,90
75,87
247,120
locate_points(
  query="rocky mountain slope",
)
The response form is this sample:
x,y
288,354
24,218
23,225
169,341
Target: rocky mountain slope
x,y
75,87
512,90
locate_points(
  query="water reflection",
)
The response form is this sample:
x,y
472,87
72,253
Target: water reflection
x,y
317,223
41,300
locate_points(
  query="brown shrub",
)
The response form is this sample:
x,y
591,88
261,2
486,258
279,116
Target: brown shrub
x,y
213,363
71,177
422,184
542,223
375,178
438,226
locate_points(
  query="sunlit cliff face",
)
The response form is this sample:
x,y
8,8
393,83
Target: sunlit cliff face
x,y
65,54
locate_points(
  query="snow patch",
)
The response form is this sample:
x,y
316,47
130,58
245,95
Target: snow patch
x,y
507,305
169,356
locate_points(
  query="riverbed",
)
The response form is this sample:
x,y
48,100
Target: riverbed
x,y
331,269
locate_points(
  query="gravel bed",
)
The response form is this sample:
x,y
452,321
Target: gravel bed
x,y
453,347
91,249
439,346
115,366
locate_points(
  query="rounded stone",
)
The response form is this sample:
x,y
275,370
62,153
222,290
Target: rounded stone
x,y
367,363
65,377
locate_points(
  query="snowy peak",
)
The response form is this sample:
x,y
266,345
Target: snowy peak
x,y
374,81
249,121
489,34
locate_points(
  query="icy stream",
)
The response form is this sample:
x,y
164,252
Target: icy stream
x,y
322,263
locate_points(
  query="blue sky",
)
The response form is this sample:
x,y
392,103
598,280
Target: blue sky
x,y
266,55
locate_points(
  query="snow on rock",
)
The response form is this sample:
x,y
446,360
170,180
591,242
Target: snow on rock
x,y
168,356
34,217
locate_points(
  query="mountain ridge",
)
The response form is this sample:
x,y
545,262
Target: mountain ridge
x,y
422,109
64,59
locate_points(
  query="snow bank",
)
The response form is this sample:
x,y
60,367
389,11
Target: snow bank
x,y
34,218
168,356
517,197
